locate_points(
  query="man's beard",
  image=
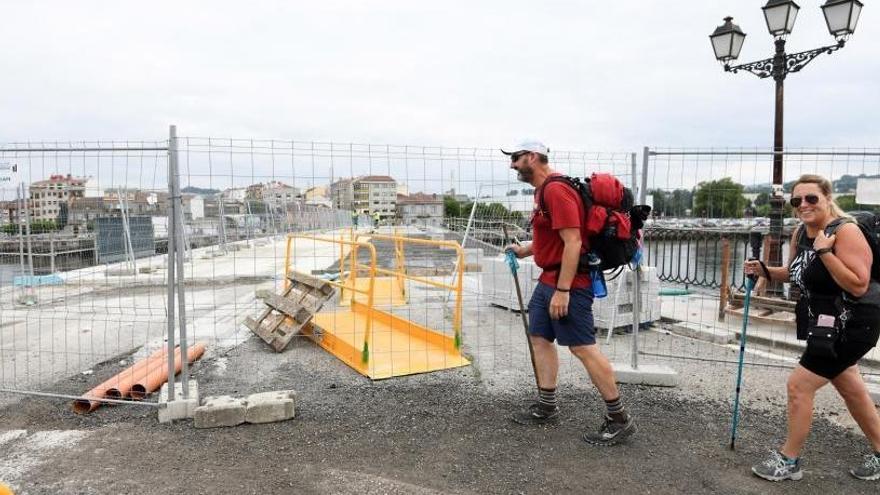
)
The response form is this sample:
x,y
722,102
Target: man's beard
x,y
525,174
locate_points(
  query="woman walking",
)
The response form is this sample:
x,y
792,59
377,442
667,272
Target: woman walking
x,y
839,316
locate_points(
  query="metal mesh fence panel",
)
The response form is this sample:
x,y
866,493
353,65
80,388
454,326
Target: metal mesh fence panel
x,y
342,254
77,260
282,214
708,205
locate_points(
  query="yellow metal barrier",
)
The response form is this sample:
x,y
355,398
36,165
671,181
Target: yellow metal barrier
x,y
354,246
388,291
377,343
458,286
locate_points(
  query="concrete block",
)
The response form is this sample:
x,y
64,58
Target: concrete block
x,y
647,374
473,256
267,407
874,390
497,282
178,407
219,411
703,332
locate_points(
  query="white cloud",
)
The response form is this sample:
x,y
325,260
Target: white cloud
x,y
577,74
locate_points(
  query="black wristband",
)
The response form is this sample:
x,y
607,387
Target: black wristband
x,y
562,290
820,252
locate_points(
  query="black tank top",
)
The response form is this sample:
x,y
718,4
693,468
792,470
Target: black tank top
x,y
820,295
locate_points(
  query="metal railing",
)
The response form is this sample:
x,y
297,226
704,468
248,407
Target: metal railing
x,y
693,257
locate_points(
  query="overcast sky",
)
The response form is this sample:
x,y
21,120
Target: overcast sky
x,y
604,75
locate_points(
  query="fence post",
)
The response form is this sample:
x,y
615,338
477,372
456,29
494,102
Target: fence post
x,y
179,251
22,198
31,293
725,285
52,253
637,275
170,264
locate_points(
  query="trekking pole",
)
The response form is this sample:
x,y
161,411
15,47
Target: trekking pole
x,y
750,283
755,240
510,257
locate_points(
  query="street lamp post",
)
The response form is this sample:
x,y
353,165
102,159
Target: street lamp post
x,y
841,16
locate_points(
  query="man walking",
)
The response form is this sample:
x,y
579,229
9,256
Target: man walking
x,y
561,308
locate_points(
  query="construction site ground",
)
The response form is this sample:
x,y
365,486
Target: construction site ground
x,y
444,432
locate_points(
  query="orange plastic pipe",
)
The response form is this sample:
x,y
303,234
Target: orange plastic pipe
x,y
157,375
129,377
118,385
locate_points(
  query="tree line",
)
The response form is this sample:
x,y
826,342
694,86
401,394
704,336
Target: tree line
x,y
724,198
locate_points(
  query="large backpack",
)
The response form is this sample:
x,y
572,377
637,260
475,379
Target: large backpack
x,y
613,223
869,223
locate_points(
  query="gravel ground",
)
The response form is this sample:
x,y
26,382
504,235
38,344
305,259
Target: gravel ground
x,y
445,432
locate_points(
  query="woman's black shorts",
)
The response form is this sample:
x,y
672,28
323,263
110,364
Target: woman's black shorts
x,y
848,354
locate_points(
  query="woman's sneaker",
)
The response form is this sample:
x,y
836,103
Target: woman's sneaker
x,y
869,470
537,414
777,467
611,432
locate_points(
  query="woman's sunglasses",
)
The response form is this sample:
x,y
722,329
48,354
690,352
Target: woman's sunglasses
x,y
809,198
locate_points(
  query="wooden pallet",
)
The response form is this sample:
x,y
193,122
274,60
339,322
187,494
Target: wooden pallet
x,y
287,313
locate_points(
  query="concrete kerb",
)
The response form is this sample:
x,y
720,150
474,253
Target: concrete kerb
x,y
268,407
223,410
263,407
709,333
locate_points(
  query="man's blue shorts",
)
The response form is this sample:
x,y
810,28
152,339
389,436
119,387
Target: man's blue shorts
x,y
574,329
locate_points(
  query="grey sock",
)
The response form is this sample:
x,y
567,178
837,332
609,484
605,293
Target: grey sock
x,y
547,397
616,410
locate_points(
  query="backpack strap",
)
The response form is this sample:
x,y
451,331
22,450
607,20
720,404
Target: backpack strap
x,y
835,225
801,239
554,178
570,182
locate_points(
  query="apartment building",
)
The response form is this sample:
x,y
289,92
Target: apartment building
x,y
420,209
369,194
48,196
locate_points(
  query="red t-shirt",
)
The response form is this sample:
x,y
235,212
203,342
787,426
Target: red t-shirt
x,y
565,210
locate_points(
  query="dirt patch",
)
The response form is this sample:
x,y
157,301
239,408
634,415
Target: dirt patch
x,y
439,433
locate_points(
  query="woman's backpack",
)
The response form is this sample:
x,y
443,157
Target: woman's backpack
x,y
869,224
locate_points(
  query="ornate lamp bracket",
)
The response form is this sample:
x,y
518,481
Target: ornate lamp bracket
x,y
791,63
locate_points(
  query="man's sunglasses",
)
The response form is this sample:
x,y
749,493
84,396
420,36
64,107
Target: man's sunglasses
x,y
809,198
516,156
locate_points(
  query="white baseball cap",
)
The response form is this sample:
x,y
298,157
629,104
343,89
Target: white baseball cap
x,y
532,145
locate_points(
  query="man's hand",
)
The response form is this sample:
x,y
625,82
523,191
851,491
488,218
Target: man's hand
x,y
518,250
558,305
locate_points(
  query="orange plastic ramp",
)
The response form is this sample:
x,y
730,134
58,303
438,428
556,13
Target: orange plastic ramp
x,y
387,291
397,347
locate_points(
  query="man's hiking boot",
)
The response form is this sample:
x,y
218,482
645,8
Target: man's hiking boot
x,y
777,468
537,414
868,470
611,432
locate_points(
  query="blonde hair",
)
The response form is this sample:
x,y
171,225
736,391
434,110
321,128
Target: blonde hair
x,y
826,188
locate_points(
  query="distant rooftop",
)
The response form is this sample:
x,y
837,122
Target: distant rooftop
x,y
419,198
63,179
375,178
